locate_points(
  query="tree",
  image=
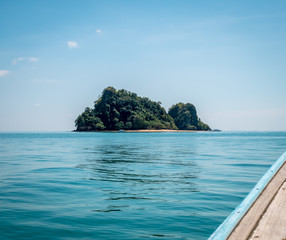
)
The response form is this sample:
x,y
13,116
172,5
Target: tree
x,y
87,121
185,117
124,110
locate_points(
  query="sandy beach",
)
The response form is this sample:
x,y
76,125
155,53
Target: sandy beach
x,y
144,131
160,130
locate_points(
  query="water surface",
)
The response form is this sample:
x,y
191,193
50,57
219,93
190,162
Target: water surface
x,y
127,185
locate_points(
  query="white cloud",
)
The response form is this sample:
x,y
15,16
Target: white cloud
x,y
33,59
18,60
98,31
4,72
37,105
29,59
72,44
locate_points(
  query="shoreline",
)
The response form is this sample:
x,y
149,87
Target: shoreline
x,y
160,130
143,131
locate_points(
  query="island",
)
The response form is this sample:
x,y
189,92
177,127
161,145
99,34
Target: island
x,y
122,110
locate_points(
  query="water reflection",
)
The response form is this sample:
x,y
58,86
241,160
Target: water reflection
x,y
131,175
112,208
128,186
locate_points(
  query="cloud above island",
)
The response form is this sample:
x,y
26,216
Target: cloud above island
x,y
29,59
98,31
72,44
4,73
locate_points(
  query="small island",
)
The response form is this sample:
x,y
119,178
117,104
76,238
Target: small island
x,y
123,110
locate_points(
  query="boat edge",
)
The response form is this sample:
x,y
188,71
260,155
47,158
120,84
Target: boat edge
x,y
229,224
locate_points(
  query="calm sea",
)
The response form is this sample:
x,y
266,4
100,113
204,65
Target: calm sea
x,y
127,185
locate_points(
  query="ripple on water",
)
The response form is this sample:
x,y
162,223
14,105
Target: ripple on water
x,y
127,186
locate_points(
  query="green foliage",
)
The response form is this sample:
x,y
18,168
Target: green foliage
x,y
121,109
185,117
87,121
202,126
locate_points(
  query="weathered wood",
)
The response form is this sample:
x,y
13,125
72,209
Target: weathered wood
x,y
247,224
273,223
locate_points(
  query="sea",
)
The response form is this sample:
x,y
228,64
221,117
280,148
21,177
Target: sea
x,y
99,185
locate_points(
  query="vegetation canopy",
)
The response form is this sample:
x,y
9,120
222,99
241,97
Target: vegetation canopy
x,y
185,117
121,109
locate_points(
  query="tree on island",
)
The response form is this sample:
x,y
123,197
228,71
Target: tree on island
x,y
121,109
185,117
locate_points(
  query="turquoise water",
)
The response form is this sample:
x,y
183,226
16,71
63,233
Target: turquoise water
x,y
127,185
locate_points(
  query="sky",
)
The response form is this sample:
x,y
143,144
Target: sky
x,y
228,58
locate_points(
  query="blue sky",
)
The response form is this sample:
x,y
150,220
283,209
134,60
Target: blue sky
x,y
228,58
